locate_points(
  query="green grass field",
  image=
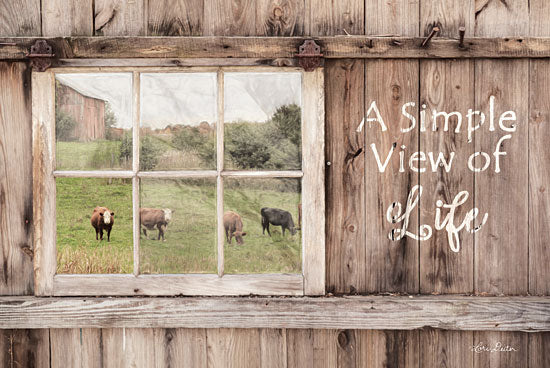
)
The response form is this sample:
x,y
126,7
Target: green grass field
x,y
190,245
94,155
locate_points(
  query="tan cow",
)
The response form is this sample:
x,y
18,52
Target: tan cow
x,y
233,225
102,219
155,217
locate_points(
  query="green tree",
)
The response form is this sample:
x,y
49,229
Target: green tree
x,y
148,152
64,125
110,120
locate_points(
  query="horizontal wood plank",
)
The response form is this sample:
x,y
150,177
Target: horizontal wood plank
x,y
16,48
356,312
188,284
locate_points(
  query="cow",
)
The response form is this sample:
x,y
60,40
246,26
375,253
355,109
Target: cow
x,y
233,225
102,219
150,218
277,217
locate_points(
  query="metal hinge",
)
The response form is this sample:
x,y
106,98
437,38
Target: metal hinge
x,y
309,55
40,54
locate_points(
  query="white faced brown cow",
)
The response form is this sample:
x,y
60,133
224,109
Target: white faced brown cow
x,y
102,219
233,225
155,217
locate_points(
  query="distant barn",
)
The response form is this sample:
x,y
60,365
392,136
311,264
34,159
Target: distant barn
x,y
88,112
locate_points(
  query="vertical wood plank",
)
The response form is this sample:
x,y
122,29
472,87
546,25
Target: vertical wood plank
x,y
280,17
92,347
16,196
449,15
43,152
446,85
229,18
539,350
329,18
396,17
175,17
300,343
347,347
325,352
273,348
66,347
180,347
391,265
345,208
539,156
515,340
129,347
120,18
313,186
233,348
25,348
377,349
440,348
67,18
501,18
20,18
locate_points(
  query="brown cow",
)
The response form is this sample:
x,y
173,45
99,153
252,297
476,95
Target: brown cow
x,y
151,217
233,225
102,219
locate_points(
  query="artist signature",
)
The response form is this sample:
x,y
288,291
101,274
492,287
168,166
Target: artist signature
x,y
498,347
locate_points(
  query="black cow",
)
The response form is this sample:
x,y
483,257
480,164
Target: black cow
x,y
277,217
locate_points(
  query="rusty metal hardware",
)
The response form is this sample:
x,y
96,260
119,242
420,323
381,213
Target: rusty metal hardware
x,y
461,33
40,55
309,55
435,30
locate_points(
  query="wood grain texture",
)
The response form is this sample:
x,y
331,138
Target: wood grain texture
x,y
392,264
235,347
20,18
300,348
120,17
448,15
280,17
273,348
333,47
539,177
345,177
446,85
43,153
330,18
388,349
515,358
539,350
446,348
502,244
129,347
325,349
66,350
67,18
188,284
313,185
376,312
25,348
229,18
495,18
175,18
15,180
396,17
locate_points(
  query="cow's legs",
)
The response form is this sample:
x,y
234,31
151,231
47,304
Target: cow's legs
x,y
108,235
96,234
267,227
161,231
283,227
100,234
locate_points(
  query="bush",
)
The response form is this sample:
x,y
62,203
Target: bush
x,y
64,126
189,139
148,152
110,121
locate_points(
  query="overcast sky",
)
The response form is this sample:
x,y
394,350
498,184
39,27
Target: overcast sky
x,y
189,98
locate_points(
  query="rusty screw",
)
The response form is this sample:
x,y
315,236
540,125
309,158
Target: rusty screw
x,y
461,33
435,30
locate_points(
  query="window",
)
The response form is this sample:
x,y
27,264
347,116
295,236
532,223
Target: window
x,y
165,153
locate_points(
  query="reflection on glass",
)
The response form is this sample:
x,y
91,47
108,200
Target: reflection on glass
x,y
178,121
93,121
178,226
79,224
262,121
265,208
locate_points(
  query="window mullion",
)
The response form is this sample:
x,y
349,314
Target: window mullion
x,y
135,168
219,166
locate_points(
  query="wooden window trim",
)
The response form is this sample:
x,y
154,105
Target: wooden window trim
x,y
47,283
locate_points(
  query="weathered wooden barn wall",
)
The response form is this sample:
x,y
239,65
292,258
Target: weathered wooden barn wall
x,y
87,112
514,257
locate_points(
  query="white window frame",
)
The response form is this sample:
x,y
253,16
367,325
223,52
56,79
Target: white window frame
x,y
48,283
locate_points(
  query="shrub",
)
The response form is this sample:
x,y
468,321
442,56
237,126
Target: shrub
x,y
64,126
148,152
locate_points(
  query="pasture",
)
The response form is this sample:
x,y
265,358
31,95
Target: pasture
x,y
190,245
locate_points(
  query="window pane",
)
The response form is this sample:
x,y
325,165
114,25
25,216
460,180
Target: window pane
x,y
262,121
93,121
78,251
183,214
178,121
260,252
